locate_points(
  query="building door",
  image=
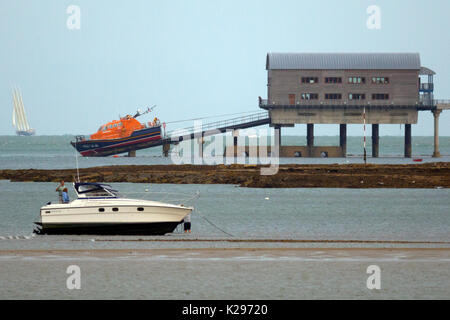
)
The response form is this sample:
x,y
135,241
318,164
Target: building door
x,y
292,99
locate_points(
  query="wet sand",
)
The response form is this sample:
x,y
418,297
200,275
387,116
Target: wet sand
x,y
442,254
427,175
226,273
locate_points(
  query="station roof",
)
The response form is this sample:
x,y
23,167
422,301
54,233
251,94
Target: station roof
x,y
342,61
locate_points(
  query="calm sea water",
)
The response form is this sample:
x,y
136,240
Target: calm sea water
x,y
226,212
52,152
223,213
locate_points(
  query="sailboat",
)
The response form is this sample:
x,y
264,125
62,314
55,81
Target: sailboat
x,y
19,118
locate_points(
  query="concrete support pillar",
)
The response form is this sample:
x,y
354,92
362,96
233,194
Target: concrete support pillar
x,y
166,148
235,137
436,113
407,140
200,142
310,138
132,153
278,127
343,138
375,140
235,142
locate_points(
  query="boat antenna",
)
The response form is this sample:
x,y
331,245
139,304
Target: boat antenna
x,y
76,161
149,109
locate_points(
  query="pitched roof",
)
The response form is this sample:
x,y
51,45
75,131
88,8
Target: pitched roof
x,y
318,61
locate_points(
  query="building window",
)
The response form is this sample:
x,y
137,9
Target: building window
x,y
380,80
291,99
380,96
356,80
309,96
333,80
356,96
310,80
333,96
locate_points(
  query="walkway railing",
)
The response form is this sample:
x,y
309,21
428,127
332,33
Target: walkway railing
x,y
441,101
427,86
219,124
366,102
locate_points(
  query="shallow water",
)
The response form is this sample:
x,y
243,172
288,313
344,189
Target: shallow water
x,y
236,275
55,152
226,218
229,212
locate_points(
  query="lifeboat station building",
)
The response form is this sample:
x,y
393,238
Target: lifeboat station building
x,y
347,88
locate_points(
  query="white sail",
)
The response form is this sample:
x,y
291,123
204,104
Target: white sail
x,y
14,114
17,111
22,110
19,118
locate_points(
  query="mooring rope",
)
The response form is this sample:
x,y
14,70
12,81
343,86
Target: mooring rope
x,y
198,212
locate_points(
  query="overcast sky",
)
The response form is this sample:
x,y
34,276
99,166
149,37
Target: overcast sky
x,y
193,58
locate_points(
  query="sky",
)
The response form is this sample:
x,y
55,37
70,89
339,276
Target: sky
x,y
193,58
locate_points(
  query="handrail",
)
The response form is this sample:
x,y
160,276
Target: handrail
x,y
426,86
441,101
220,124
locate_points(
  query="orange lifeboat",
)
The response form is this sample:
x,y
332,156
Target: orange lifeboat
x,y
119,136
118,129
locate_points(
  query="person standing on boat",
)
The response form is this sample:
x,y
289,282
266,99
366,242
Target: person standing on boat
x,y
187,223
65,196
60,190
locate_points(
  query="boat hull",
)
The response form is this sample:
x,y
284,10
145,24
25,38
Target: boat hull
x,y
30,132
116,216
139,139
154,228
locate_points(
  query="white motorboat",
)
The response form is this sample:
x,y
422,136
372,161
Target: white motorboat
x,y
99,209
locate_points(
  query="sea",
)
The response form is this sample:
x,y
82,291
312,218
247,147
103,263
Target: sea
x,y
246,243
55,152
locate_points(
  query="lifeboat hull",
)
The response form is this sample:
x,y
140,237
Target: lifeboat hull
x,y
139,139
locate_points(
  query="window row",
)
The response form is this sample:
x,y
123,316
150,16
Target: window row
x,y
106,127
351,80
338,96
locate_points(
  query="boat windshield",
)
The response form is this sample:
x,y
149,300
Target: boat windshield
x,y
95,190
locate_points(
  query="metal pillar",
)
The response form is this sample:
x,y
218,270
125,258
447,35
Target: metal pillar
x,y
407,140
436,113
235,142
310,138
343,139
166,148
278,127
200,142
375,140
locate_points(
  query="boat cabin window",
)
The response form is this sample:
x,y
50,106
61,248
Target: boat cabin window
x,y
101,209
89,191
115,209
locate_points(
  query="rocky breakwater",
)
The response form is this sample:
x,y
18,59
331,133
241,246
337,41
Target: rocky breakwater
x,y
427,175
